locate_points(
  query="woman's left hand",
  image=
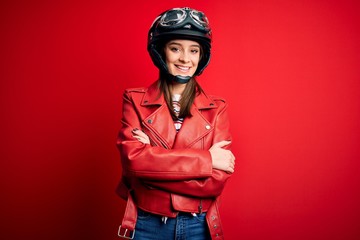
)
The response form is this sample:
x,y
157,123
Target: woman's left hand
x,y
140,136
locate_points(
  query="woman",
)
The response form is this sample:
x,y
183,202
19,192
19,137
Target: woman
x,y
174,141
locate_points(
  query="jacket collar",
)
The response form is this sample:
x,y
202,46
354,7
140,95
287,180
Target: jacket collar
x,y
161,123
154,97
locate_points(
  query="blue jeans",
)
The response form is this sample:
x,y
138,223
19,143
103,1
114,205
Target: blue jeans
x,y
184,226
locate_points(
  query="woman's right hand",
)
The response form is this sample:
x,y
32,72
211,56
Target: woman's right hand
x,y
222,159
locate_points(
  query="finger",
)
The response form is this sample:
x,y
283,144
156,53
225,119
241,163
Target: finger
x,y
140,133
137,137
230,170
232,155
233,159
141,140
134,130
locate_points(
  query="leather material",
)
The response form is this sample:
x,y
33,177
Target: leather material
x,y
174,173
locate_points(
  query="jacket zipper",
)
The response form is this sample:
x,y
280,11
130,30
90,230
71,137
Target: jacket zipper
x,y
200,206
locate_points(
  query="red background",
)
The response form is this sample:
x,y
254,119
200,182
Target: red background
x,y
289,69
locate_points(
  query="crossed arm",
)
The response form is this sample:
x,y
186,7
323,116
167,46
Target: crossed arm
x,y
223,163
222,159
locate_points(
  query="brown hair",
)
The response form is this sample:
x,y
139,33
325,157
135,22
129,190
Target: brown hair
x,y
191,90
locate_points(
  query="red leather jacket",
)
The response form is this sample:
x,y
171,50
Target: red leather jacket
x,y
174,173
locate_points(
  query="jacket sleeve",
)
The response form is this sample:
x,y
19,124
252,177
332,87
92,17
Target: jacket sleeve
x,y
203,188
210,186
154,162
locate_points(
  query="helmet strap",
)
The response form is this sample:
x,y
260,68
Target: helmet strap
x,y
178,78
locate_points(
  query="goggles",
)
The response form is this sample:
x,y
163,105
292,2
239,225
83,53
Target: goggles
x,y
177,16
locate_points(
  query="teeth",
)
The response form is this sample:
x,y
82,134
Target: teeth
x,y
183,68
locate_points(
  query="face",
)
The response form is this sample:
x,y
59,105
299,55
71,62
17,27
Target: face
x,y
182,57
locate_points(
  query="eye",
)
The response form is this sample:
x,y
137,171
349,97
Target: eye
x,y
174,49
194,51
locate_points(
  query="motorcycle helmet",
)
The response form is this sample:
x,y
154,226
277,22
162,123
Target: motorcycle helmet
x,y
179,23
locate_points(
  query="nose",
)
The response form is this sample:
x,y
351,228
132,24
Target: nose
x,y
184,57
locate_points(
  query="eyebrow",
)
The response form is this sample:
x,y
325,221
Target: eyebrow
x,y
176,43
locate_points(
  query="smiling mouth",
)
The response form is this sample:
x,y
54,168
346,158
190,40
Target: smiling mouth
x,y
182,68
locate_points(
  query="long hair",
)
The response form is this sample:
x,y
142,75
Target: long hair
x,y
191,90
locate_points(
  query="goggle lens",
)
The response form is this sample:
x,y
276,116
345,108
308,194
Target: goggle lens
x,y
173,17
200,18
178,15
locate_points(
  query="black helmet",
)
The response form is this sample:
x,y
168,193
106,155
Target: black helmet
x,y
179,23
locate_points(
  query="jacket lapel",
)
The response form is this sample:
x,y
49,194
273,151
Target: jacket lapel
x,y
162,126
159,120
197,126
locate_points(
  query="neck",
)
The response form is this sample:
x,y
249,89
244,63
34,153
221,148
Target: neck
x,y
177,88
